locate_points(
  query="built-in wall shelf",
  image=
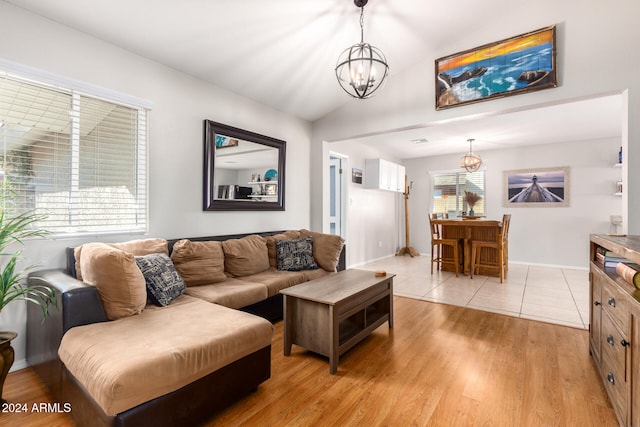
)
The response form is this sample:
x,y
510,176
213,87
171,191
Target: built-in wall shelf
x,y
618,192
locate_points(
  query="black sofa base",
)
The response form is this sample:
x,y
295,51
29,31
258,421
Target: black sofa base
x,y
270,309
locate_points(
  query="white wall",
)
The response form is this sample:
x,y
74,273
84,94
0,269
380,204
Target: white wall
x,y
541,235
372,216
180,104
594,58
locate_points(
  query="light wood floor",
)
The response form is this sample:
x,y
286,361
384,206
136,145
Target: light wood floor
x,y
440,365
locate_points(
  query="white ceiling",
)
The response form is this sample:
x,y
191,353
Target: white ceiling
x,y
282,53
584,120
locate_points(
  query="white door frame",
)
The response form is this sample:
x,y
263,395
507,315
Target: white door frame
x,y
340,220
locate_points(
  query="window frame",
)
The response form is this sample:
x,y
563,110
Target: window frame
x,y
139,108
460,205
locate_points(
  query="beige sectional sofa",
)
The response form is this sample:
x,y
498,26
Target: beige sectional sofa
x,y
165,332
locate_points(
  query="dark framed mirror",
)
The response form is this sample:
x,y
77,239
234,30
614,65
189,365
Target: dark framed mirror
x,y
243,170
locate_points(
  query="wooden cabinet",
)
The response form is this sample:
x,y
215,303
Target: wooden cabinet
x,y
614,334
634,399
382,174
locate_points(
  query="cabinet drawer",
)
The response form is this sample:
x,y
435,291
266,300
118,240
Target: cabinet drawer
x,y
616,388
614,347
615,303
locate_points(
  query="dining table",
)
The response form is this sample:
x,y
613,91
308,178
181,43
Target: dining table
x,y
469,229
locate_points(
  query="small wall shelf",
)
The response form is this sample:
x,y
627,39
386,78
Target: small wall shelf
x,y
619,182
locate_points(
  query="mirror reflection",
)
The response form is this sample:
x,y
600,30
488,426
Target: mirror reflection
x,y
245,171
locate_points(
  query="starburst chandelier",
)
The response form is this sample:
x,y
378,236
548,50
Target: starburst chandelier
x,y
362,68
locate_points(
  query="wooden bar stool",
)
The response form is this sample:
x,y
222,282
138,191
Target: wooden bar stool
x,y
501,245
436,246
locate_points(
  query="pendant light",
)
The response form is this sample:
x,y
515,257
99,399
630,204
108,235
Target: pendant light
x,y
471,162
362,68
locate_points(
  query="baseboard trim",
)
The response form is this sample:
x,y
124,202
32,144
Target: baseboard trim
x,y
536,264
19,364
530,264
360,264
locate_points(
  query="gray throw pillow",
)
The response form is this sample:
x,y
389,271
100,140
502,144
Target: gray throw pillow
x,y
295,255
164,284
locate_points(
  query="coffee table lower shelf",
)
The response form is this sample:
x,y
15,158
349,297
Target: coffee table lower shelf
x,y
330,318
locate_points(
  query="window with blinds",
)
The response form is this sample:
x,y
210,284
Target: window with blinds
x,y
78,161
448,192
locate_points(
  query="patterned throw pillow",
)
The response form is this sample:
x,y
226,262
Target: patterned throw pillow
x,y
296,255
164,284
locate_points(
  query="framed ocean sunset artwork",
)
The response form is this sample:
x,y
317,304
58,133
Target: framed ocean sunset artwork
x,y
516,65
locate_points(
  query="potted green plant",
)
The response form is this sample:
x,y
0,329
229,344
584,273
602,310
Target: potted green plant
x,y
13,229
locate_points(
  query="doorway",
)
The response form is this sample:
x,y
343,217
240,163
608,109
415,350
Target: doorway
x,y
337,194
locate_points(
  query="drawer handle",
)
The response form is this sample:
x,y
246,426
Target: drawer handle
x,y
611,378
625,343
612,302
610,340
597,303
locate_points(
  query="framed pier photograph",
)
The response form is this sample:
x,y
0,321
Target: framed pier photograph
x,y
546,187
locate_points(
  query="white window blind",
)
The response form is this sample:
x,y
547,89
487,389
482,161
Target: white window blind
x,y
448,191
77,160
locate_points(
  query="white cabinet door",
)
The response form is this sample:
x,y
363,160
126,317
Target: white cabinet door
x,y
389,174
400,174
382,174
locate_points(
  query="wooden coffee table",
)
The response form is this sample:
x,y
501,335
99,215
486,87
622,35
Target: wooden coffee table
x,y
332,314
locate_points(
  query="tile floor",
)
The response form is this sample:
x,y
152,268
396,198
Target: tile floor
x,y
547,294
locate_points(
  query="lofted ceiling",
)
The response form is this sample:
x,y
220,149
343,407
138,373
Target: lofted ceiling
x,y
282,53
